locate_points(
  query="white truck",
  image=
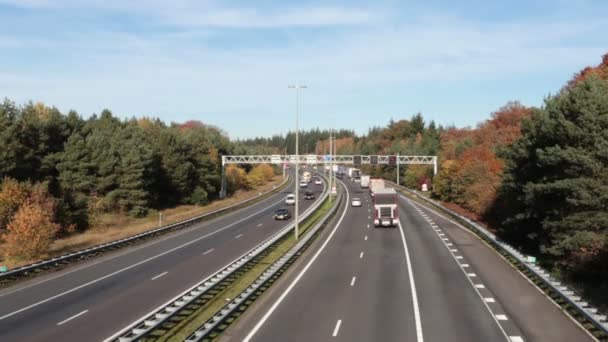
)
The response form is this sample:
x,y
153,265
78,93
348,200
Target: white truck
x,y
306,177
375,184
356,176
365,182
385,208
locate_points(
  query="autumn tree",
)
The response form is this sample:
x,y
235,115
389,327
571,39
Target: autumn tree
x,y
554,197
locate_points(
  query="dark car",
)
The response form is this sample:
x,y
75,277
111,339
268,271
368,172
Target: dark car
x,y
308,195
282,214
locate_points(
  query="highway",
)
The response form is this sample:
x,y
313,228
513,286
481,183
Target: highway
x,y
427,280
93,300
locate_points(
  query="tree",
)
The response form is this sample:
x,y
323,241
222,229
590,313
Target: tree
x,y
554,197
12,195
31,231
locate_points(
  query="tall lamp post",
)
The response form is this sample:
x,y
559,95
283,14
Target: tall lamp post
x,y
297,88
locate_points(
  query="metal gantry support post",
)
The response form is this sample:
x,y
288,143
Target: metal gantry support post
x,y
398,172
435,166
223,180
331,164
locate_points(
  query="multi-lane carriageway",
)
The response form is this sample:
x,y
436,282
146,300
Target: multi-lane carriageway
x,y
428,279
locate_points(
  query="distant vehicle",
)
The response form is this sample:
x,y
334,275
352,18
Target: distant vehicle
x,y
385,208
365,182
356,202
375,184
290,199
309,195
282,214
306,176
318,181
303,184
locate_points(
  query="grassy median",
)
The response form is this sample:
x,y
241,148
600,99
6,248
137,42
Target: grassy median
x,y
184,328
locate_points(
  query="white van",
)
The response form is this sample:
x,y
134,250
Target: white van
x,y
290,199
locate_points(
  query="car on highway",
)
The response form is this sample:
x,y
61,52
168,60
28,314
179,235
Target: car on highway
x,y
282,214
318,181
303,184
309,195
356,202
290,199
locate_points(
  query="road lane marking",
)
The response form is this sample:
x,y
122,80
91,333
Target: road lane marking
x,y
458,257
489,300
465,265
352,282
453,250
419,336
259,225
71,318
160,275
368,225
361,255
472,274
480,286
209,251
516,339
365,238
276,304
337,328
238,236
502,317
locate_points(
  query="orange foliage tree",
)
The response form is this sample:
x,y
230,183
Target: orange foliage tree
x,y
31,231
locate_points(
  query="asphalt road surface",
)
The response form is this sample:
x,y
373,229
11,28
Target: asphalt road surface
x,y
93,300
427,280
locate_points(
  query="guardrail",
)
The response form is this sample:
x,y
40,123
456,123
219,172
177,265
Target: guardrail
x,y
561,294
205,330
63,260
153,320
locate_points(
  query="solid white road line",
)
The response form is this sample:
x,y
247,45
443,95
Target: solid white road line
x,y
132,266
71,318
209,251
238,236
274,306
160,275
337,328
418,321
361,255
352,282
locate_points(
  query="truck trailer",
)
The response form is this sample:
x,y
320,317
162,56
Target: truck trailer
x,y
375,184
385,208
365,182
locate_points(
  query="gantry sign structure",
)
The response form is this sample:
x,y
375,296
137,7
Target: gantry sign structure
x,y
314,159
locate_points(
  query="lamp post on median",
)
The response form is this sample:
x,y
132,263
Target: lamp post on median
x,y
297,88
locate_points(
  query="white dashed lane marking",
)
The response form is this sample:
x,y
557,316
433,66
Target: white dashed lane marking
x,y
337,328
352,282
209,251
160,275
71,318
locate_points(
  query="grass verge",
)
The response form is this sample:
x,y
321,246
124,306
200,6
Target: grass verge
x,y
183,329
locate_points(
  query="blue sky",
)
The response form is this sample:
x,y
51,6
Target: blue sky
x,y
228,63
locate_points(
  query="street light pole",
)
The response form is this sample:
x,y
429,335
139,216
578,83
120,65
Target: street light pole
x,y
331,164
297,88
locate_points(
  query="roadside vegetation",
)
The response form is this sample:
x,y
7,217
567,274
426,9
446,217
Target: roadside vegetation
x,y
65,178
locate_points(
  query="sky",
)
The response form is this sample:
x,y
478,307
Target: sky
x,y
229,63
